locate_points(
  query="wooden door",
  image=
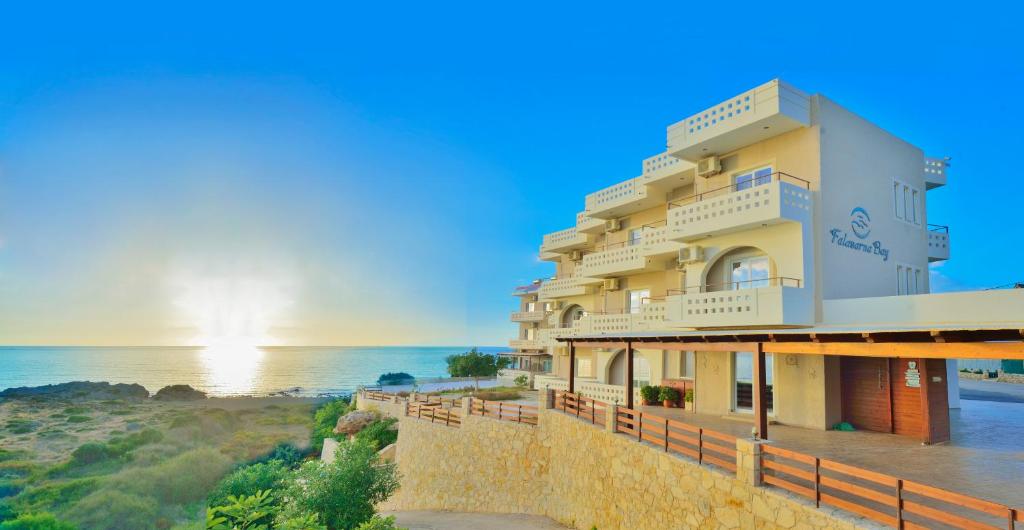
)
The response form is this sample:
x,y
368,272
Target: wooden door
x,y
907,411
866,397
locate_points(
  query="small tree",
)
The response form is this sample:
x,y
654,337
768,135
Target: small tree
x,y
476,365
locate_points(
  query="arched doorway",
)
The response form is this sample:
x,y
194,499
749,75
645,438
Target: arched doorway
x,y
739,268
571,315
641,370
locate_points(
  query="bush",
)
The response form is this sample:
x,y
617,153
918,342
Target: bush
x,y
650,393
521,380
395,378
254,512
117,447
476,365
36,521
343,494
668,393
325,418
91,453
688,397
380,433
286,453
249,480
78,419
115,510
379,523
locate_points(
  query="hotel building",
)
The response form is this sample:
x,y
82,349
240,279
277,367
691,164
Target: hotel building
x,y
772,214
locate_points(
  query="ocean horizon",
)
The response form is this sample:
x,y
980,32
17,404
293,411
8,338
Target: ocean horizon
x,y
234,371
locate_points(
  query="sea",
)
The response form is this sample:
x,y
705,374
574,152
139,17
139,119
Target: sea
x,y
226,370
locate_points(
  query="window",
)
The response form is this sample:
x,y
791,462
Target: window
x,y
749,273
546,366
548,306
638,298
687,364
907,203
909,279
743,381
753,178
635,236
531,307
531,333
584,367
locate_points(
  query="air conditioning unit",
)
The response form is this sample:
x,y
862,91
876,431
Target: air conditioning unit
x,y
612,225
708,166
691,254
576,255
611,284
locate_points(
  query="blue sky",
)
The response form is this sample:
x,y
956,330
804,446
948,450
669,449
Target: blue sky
x,y
382,174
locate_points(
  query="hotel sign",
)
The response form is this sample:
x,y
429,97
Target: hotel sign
x,y
860,227
912,375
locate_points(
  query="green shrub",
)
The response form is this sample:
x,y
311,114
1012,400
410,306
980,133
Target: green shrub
x,y
325,418
395,378
476,365
115,510
380,433
688,397
36,521
668,393
249,480
521,380
650,393
54,495
379,523
248,512
497,395
286,453
76,410
91,453
343,494
78,419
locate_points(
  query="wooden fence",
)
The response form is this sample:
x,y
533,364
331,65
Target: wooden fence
x,y
437,400
583,408
703,445
882,498
378,396
433,412
503,411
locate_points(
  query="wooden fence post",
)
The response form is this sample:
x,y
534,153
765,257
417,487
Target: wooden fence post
x,y
899,504
666,435
700,446
817,483
639,426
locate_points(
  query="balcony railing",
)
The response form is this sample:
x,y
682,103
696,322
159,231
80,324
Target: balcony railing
x,y
565,241
529,316
589,225
622,199
526,344
565,287
935,172
938,243
764,302
771,199
769,110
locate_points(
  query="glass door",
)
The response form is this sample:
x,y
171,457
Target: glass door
x,y
638,298
749,273
749,179
743,381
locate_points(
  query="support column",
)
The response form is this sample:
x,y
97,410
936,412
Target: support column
x,y
760,393
572,367
629,375
611,418
748,461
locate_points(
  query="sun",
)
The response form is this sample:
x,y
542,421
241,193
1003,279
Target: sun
x,y
230,312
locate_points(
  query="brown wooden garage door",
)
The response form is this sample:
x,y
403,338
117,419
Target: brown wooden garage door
x,y
865,390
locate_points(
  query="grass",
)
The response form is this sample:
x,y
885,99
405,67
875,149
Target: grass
x,y
78,419
495,393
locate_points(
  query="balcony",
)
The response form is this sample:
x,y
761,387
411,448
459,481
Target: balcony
x,y
622,199
665,172
650,316
565,241
773,199
526,344
650,253
529,316
938,243
776,302
769,110
565,287
589,225
935,172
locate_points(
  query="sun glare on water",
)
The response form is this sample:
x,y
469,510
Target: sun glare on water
x,y
232,318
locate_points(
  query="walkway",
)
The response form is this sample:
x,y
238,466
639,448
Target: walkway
x,y
985,457
428,520
991,391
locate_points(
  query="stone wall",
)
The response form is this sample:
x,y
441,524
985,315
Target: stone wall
x,y
583,476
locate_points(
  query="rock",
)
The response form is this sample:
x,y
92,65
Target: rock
x,y
354,422
79,390
179,393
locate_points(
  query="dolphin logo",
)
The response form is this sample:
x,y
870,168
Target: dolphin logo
x,y
860,222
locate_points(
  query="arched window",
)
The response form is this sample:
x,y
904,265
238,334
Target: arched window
x,y
571,315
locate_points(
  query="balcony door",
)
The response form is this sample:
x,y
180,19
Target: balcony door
x,y
743,381
749,179
749,273
637,299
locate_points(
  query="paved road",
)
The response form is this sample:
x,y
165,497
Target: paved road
x,y
991,391
428,520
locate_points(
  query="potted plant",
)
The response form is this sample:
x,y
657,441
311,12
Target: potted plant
x,y
668,396
649,394
688,399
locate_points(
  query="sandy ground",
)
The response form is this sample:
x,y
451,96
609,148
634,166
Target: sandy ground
x,y
426,520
